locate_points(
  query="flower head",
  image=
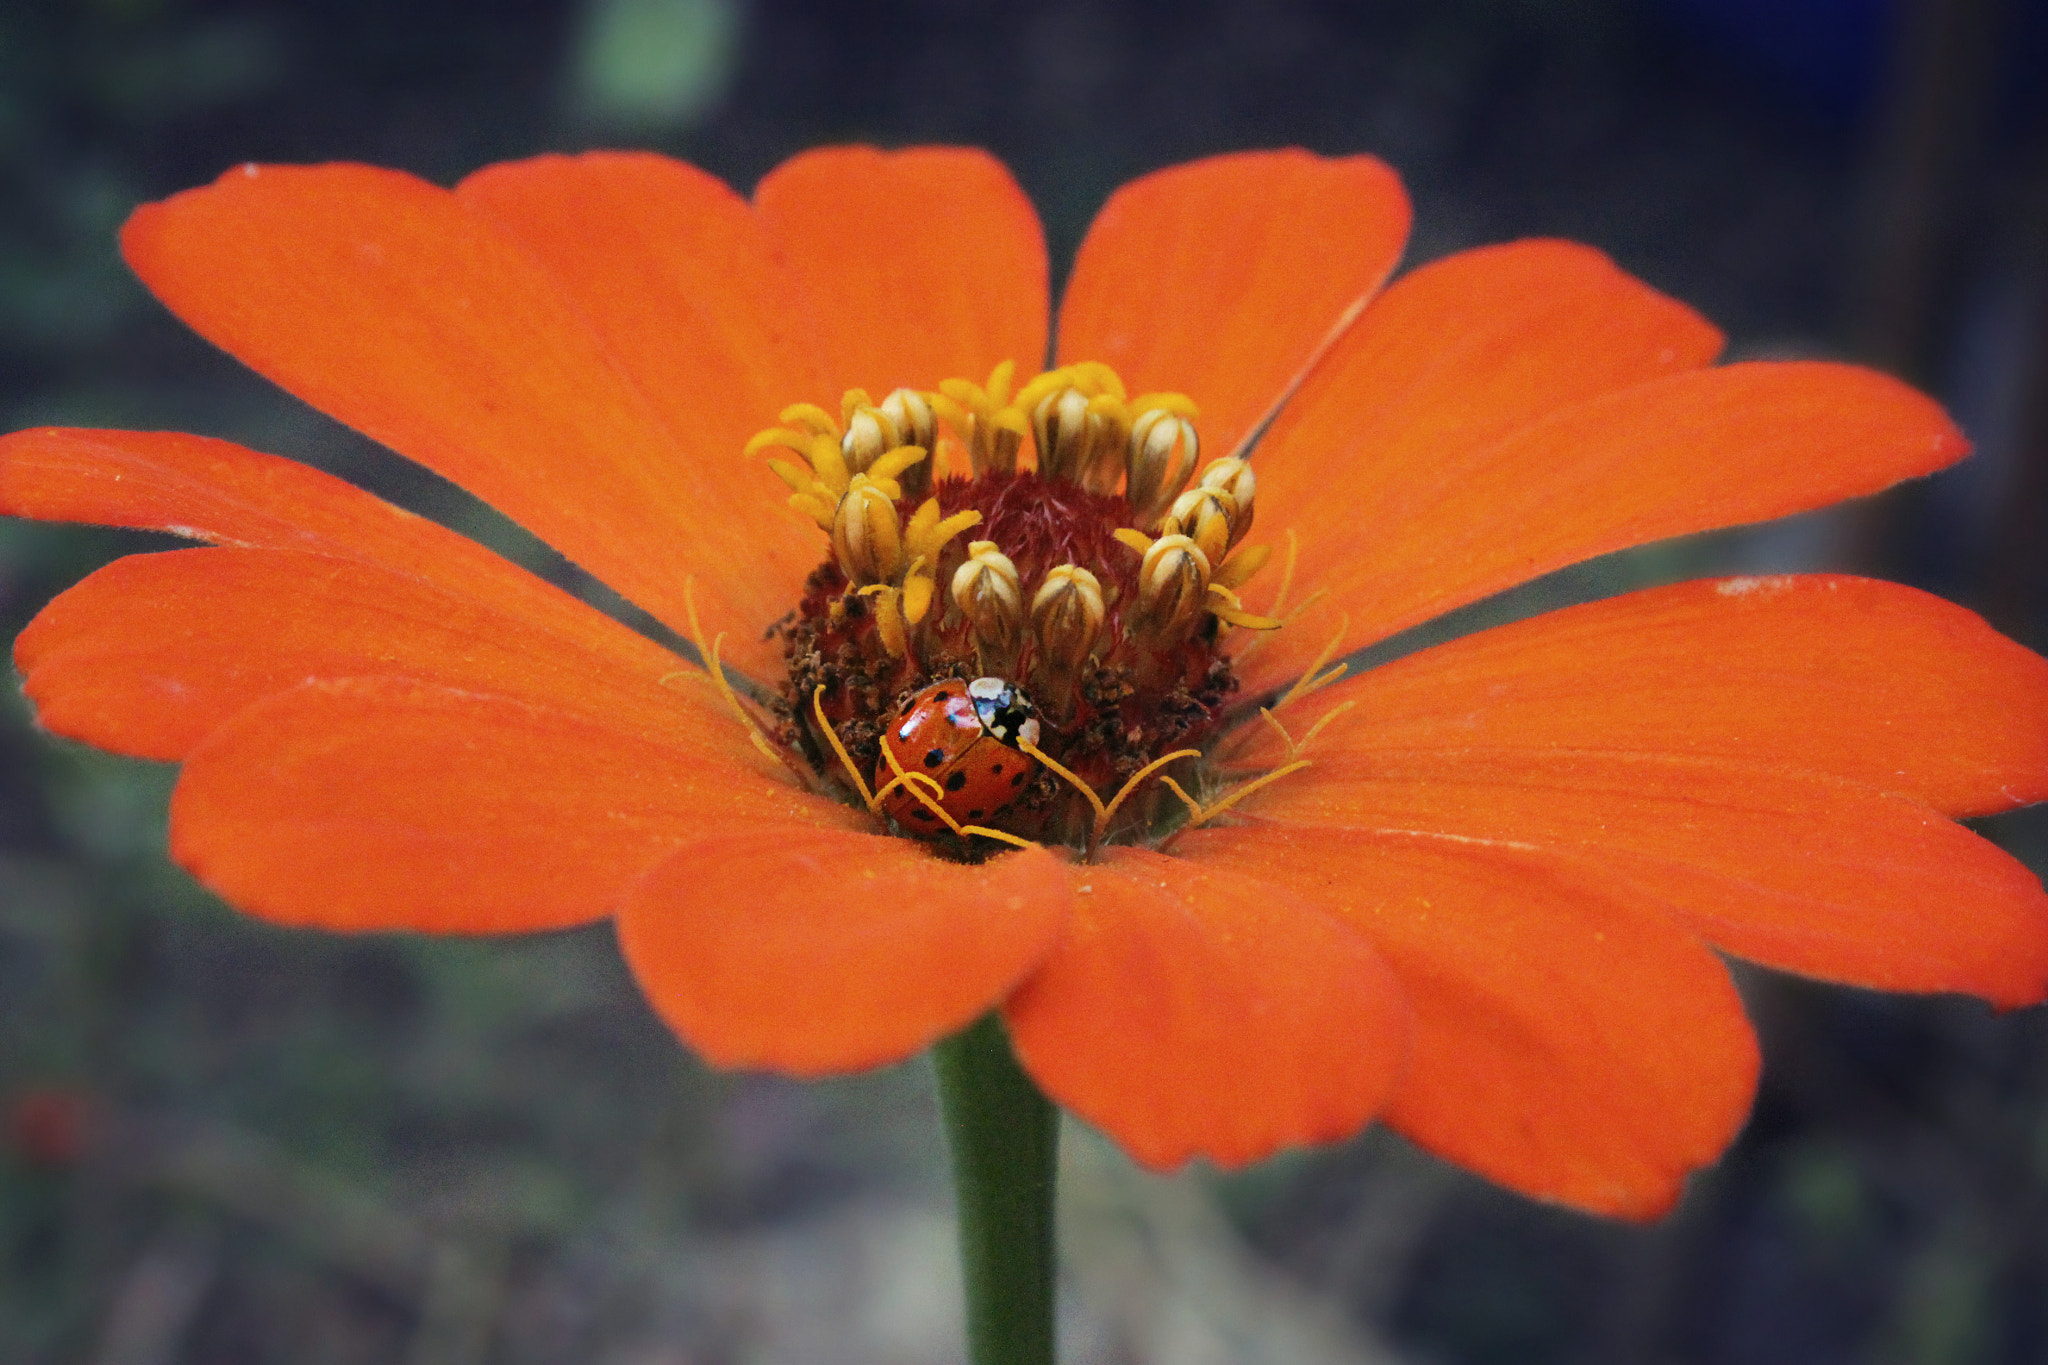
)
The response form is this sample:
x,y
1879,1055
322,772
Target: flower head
x,y
1238,900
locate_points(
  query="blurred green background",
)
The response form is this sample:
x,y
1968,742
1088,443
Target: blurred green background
x,y
222,1142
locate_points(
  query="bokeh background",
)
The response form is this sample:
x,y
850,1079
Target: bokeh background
x,y
225,1143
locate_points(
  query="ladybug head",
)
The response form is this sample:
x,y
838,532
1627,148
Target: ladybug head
x,y
1004,711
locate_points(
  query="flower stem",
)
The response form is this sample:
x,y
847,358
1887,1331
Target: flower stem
x,y
1003,1136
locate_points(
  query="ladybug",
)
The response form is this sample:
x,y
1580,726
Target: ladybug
x,y
965,737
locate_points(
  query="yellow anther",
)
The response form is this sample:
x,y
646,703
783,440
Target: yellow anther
x,y
1173,585
1237,570
781,437
1223,603
984,419
1163,451
718,678
867,538
1137,540
928,532
899,461
919,587
814,419
889,622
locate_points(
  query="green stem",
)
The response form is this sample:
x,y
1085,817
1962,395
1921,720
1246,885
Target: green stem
x,y
1004,1138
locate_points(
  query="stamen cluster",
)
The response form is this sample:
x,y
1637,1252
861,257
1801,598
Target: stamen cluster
x,y
1096,578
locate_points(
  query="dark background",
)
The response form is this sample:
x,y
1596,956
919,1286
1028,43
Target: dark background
x,y
229,1143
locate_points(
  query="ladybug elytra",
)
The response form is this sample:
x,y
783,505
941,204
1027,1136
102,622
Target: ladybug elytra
x,y
965,736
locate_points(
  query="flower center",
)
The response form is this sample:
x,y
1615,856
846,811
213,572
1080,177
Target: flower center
x,y
1005,645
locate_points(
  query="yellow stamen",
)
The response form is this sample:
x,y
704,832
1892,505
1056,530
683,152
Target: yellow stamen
x,y
1199,814
1101,812
812,416
1315,679
1109,812
860,783
1339,709
710,656
1295,747
1239,793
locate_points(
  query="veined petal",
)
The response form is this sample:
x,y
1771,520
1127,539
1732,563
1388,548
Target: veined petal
x,y
1221,277
1454,357
1191,1014
1691,452
1870,682
1792,870
1569,1045
673,270
393,804
915,266
814,951
391,305
149,654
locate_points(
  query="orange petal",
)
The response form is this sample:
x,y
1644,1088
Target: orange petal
x,y
1569,1045
915,266
1691,452
1191,1014
390,804
389,304
813,951
152,652
1220,278
674,271
1795,871
1873,683
1452,358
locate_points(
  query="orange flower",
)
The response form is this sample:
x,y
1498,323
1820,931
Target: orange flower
x,y
1487,910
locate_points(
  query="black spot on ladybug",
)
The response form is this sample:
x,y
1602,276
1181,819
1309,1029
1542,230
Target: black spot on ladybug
x,y
934,757
941,698
922,814
997,769
956,781
976,814
1017,780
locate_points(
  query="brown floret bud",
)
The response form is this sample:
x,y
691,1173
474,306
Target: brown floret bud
x,y
916,425
1207,516
1163,452
867,536
1081,439
1173,589
1233,475
987,591
1067,614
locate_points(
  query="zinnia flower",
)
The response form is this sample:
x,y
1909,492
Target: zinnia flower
x,y
1488,908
